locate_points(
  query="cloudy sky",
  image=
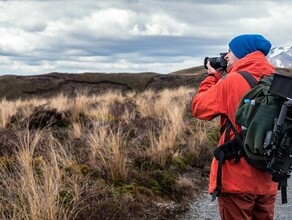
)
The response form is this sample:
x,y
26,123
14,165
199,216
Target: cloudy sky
x,y
38,37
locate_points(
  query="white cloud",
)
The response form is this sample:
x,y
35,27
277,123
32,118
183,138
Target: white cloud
x,y
111,23
159,24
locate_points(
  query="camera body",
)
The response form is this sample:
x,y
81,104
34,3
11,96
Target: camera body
x,y
216,62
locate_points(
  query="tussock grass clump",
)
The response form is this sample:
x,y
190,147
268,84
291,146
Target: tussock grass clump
x,y
108,150
82,157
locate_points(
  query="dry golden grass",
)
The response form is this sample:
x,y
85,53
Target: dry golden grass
x,y
108,149
35,184
68,170
77,130
7,108
60,102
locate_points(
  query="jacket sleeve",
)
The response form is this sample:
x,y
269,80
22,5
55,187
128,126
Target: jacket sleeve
x,y
208,101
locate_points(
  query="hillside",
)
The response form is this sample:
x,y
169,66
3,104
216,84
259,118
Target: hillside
x,y
48,85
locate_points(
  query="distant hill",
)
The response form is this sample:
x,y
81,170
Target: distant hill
x,y
47,85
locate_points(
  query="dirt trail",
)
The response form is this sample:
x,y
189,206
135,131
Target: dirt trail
x,y
204,209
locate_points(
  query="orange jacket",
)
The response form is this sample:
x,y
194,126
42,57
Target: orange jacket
x,y
220,96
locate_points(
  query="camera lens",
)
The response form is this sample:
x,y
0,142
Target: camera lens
x,y
205,62
216,62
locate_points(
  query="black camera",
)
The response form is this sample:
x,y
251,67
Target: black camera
x,y
217,62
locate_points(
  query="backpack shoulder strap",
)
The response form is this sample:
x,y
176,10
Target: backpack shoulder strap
x,y
249,78
231,149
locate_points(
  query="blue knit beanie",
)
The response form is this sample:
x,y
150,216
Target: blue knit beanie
x,y
248,43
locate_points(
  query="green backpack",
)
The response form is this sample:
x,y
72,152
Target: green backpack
x,y
256,113
265,114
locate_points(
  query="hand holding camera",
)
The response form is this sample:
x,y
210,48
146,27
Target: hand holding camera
x,y
216,62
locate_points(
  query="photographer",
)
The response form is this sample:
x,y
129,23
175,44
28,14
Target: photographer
x,y
244,192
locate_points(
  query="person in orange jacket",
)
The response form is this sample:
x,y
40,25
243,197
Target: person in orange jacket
x,y
245,192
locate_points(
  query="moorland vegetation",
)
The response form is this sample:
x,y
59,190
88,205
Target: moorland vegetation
x,y
102,146
130,155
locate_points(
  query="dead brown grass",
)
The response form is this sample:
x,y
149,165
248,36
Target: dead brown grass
x,y
83,157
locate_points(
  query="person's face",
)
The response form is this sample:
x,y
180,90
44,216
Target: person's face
x,y
231,58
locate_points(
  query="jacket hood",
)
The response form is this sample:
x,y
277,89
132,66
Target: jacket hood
x,y
255,63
